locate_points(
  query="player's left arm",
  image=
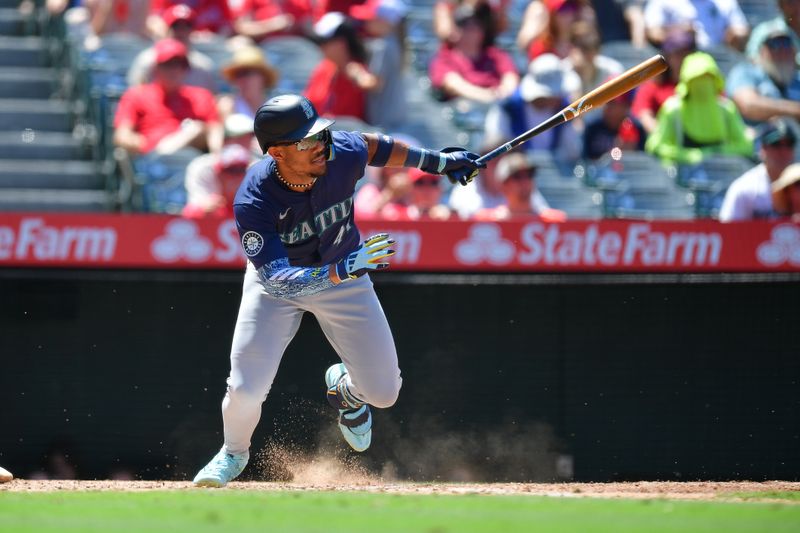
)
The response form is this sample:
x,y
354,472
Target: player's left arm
x,y
385,151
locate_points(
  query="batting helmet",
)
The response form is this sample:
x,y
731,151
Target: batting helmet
x,y
287,118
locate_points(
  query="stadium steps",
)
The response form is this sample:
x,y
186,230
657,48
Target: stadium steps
x,y
31,82
54,174
41,145
46,164
22,51
11,21
17,114
32,200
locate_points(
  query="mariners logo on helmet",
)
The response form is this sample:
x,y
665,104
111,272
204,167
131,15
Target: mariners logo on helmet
x,y
307,109
252,243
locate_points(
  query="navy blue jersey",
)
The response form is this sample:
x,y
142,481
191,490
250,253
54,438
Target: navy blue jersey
x,y
311,228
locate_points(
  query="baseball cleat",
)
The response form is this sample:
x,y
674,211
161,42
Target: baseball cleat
x,y
222,468
5,475
355,418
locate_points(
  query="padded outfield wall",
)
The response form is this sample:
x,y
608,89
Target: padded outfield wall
x,y
506,377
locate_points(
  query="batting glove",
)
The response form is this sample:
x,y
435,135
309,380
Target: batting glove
x,y
456,162
368,256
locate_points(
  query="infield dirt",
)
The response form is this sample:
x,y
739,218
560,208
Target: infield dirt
x,y
694,490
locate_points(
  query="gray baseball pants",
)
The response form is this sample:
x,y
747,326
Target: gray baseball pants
x,y
351,318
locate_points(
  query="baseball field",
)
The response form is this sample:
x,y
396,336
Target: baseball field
x,y
176,507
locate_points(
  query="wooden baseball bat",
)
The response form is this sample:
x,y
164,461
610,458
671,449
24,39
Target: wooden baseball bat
x,y
596,98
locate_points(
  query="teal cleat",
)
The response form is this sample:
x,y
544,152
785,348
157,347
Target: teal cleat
x,y
222,468
355,418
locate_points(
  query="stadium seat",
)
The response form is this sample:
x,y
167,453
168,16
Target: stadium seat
x,y
295,58
626,53
709,180
634,170
757,11
726,57
668,204
577,201
160,181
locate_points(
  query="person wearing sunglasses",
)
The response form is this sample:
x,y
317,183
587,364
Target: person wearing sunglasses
x,y
294,215
768,85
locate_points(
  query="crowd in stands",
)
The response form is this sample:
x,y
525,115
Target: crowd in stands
x,y
731,92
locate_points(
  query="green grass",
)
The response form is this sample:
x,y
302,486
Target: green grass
x,y
770,494
329,512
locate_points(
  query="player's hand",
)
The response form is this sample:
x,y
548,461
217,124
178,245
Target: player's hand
x,y
460,165
370,255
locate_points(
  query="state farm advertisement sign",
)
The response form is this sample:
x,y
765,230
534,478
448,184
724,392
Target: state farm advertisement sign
x,y
156,241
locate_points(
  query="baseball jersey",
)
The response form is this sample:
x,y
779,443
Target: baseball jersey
x,y
311,228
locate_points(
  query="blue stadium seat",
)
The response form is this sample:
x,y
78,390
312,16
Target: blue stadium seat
x,y
295,58
668,204
626,53
160,179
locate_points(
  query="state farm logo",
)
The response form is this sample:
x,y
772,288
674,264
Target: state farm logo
x,y
182,240
784,246
35,239
485,243
637,244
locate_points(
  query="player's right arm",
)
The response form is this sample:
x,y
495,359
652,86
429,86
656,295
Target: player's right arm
x,y
263,248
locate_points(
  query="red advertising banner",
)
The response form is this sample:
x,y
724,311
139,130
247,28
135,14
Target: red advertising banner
x,y
157,241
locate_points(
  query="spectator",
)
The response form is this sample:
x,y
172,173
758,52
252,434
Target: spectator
x,y
614,128
493,14
385,196
201,179
542,93
425,198
167,115
715,22
471,67
516,173
652,94
213,18
339,84
698,120
262,19
212,196
547,26
251,77
180,20
115,16
621,20
591,67
749,196
790,17
769,85
381,24
485,192
786,193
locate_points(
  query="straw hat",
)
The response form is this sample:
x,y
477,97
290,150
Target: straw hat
x,y
250,57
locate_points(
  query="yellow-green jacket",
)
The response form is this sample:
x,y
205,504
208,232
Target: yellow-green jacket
x,y
691,126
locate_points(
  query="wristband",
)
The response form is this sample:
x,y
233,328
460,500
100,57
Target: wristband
x,y
384,151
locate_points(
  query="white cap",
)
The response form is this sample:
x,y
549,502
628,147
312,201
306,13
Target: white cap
x,y
545,78
326,27
238,124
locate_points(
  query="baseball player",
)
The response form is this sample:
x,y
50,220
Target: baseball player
x,y
294,213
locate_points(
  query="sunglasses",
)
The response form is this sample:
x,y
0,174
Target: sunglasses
x,y
780,144
244,72
309,142
433,182
520,175
780,44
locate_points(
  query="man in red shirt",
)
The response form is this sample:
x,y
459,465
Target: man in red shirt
x,y
167,115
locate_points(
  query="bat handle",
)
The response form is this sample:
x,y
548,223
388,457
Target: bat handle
x,y
460,176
